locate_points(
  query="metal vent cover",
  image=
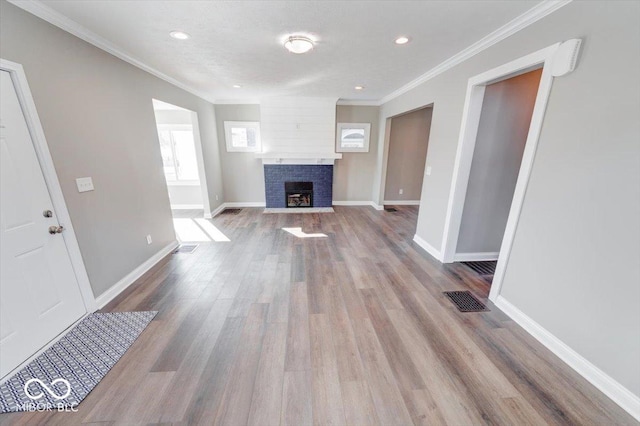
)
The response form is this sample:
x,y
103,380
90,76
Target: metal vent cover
x,y
465,301
390,209
186,248
231,211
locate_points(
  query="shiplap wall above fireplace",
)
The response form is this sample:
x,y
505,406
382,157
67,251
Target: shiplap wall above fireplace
x,y
298,130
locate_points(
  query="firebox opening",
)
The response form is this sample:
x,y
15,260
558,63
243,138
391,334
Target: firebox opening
x,y
298,194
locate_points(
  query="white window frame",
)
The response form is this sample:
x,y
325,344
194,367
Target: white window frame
x,y
180,182
367,131
228,125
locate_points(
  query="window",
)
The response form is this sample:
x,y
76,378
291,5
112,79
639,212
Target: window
x,y
178,154
353,137
242,136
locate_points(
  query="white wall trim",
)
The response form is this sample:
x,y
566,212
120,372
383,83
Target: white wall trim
x,y
187,206
132,276
358,203
427,247
601,380
25,98
217,211
529,17
237,102
466,145
356,102
401,202
42,11
476,257
234,205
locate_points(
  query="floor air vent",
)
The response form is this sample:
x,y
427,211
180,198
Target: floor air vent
x,y
390,209
486,269
186,248
465,301
231,211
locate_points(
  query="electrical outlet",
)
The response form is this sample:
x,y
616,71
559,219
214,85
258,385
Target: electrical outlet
x,y
216,198
149,240
401,191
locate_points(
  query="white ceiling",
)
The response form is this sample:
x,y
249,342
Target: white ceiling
x,y
239,42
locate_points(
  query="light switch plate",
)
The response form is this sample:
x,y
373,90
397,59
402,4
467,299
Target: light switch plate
x,y
84,184
428,170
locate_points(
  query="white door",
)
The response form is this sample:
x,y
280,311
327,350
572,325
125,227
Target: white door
x,y
39,293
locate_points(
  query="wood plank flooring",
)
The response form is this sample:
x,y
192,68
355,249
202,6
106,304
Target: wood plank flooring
x,y
272,329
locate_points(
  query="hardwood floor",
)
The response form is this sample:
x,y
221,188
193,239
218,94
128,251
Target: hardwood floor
x,y
350,329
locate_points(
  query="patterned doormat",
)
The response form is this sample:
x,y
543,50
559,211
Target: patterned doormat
x,y
63,375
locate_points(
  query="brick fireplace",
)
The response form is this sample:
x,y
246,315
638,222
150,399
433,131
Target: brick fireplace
x,y
278,176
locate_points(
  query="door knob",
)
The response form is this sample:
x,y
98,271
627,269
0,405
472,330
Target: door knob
x,y
47,213
56,229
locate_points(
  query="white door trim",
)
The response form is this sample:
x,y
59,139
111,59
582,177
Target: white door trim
x,y
466,144
19,79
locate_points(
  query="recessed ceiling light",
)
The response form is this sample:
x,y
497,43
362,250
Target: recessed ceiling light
x,y
359,87
402,40
298,44
236,86
179,35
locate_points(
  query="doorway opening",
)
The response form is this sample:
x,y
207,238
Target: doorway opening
x,y
183,166
408,141
182,159
501,124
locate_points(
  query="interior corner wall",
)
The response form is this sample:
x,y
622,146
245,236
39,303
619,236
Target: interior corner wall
x,y
502,135
353,173
577,242
97,114
408,143
242,173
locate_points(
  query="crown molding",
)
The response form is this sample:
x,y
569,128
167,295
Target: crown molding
x,y
237,102
37,8
44,12
356,102
529,17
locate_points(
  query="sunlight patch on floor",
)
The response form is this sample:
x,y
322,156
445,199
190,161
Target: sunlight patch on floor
x,y
197,230
298,233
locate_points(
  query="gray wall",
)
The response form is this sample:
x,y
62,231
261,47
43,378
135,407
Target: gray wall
x,y
242,174
574,265
408,143
502,134
353,174
97,115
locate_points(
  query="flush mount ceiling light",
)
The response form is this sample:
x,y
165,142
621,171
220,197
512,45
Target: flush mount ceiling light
x,y
298,44
179,35
402,40
236,86
359,87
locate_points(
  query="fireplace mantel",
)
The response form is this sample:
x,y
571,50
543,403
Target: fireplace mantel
x,y
302,158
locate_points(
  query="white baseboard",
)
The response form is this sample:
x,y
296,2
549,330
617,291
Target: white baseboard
x,y
428,247
223,206
605,383
401,202
358,203
476,257
187,206
217,211
245,204
352,203
132,276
